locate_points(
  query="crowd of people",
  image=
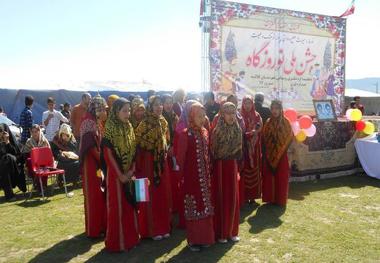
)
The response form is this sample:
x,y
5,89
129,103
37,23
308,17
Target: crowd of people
x,y
203,161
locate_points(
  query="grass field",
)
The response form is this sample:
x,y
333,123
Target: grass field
x,y
334,220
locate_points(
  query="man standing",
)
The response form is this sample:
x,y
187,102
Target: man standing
x,y
211,106
66,110
263,111
52,120
26,119
358,104
78,112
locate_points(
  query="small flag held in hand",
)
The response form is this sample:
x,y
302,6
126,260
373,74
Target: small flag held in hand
x,y
142,190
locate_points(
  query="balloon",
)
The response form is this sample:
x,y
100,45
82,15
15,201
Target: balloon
x,y
301,136
369,128
311,131
295,127
360,125
305,122
348,113
356,115
291,114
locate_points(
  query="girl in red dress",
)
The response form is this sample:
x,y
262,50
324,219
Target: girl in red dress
x,y
118,152
182,124
152,146
277,136
137,112
226,149
251,172
195,171
172,119
89,153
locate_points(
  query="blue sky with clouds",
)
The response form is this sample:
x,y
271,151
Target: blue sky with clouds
x,y
59,41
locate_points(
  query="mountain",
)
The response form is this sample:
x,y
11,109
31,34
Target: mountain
x,y
367,84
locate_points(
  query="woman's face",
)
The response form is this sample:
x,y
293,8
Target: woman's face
x,y
248,105
102,114
36,134
168,105
200,118
124,113
276,111
3,135
139,113
157,108
234,100
65,137
229,118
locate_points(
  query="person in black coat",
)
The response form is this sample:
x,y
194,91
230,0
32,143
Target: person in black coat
x,y
12,174
263,111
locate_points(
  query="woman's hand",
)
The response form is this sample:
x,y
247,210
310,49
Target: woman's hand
x,y
123,178
170,152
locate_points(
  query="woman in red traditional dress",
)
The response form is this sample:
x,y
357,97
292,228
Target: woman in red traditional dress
x,y
226,146
178,100
233,99
172,120
277,136
118,153
89,153
151,137
137,112
195,171
251,172
182,124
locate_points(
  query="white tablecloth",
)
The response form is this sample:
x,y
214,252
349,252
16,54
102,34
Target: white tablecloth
x,y
368,150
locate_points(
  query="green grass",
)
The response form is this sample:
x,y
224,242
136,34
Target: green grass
x,y
334,220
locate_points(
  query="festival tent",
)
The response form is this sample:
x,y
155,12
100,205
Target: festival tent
x,y
370,100
12,100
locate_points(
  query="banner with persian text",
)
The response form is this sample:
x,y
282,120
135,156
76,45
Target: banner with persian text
x,y
292,56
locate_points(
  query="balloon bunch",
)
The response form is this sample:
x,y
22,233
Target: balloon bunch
x,y
363,126
302,127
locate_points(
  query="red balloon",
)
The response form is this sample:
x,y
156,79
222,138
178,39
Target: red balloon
x,y
360,125
291,114
305,122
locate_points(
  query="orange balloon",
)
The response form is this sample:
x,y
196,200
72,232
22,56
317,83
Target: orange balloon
x,y
305,122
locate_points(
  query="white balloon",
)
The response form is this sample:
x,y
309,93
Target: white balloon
x,y
296,127
311,131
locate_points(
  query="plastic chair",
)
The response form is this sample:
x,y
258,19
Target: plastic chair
x,y
42,162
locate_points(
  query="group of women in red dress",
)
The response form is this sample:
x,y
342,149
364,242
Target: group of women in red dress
x,y
203,171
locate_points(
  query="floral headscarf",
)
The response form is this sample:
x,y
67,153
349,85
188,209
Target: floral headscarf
x,y
227,139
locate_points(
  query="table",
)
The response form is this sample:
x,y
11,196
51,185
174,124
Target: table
x,y
368,150
331,150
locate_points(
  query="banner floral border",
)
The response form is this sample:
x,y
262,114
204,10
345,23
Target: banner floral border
x,y
223,11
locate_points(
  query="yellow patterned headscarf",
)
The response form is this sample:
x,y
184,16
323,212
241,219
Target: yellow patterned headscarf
x,y
277,136
227,141
136,104
120,136
151,135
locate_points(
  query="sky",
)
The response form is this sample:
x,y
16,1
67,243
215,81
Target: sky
x,y
50,42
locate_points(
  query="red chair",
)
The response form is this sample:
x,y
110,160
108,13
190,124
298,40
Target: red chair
x,y
42,162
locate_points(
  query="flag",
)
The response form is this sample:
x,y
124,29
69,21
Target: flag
x,y
142,190
350,10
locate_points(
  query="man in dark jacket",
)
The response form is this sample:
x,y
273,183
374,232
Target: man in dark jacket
x,y
263,111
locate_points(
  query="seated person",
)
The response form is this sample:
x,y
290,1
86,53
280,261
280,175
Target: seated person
x,y
64,147
11,173
37,140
